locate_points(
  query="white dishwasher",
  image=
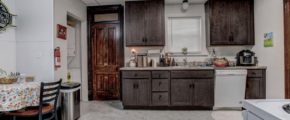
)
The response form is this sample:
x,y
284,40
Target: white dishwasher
x,y
230,87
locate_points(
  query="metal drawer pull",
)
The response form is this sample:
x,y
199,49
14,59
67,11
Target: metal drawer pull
x,y
160,97
193,85
159,75
159,83
135,75
190,85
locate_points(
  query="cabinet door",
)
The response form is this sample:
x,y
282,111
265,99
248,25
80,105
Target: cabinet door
x,y
253,88
155,23
203,92
129,92
135,23
220,22
180,92
241,30
144,92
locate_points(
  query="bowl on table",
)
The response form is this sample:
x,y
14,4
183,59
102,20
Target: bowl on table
x,y
9,80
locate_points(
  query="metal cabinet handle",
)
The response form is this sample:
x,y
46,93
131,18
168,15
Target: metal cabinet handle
x,y
192,85
159,75
135,75
134,85
230,38
146,39
160,97
159,83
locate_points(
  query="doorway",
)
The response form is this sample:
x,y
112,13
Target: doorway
x,y
106,51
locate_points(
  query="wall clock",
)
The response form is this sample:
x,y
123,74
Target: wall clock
x,y
5,17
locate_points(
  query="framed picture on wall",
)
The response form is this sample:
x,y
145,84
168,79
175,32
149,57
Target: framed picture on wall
x,y
61,31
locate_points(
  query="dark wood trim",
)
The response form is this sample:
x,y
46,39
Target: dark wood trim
x,y
92,10
287,47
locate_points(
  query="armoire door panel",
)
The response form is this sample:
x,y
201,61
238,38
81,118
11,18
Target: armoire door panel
x,y
112,46
100,33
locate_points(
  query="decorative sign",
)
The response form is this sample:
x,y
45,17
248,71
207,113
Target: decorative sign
x,y
5,17
61,31
268,39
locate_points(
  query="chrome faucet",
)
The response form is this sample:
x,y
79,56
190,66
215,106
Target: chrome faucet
x,y
185,62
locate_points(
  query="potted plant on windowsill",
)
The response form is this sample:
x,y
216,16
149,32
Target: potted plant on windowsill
x,y
184,50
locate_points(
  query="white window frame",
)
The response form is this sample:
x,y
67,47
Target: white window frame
x,y
203,34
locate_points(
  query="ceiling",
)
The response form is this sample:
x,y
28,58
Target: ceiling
x,y
106,2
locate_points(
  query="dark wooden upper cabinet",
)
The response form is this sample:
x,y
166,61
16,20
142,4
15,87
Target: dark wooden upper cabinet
x,y
230,22
145,23
220,18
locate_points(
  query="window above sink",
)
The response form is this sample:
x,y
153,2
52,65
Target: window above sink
x,y
186,31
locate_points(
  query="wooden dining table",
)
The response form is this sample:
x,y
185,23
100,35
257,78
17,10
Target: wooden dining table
x,y
19,95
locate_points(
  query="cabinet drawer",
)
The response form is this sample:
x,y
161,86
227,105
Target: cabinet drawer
x,y
136,74
160,99
160,85
160,74
192,74
255,73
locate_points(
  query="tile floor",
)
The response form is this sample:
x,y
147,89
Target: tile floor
x,y
112,110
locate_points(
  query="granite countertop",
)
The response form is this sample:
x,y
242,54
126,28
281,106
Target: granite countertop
x,y
193,68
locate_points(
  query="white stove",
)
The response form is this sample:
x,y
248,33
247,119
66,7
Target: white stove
x,y
266,110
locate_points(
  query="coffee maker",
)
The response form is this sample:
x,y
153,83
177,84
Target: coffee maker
x,y
246,58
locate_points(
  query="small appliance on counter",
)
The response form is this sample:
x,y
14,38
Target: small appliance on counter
x,y
246,58
142,60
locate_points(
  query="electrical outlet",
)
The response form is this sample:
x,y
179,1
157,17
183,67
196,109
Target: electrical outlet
x,y
38,54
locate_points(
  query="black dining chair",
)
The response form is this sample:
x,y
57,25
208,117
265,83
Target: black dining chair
x,y
48,92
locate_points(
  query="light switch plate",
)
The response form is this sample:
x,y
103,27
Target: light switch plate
x,y
38,54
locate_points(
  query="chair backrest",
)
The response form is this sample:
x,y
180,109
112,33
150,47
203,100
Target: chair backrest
x,y
49,92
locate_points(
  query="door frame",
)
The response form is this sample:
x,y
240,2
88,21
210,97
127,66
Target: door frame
x,y
286,10
91,11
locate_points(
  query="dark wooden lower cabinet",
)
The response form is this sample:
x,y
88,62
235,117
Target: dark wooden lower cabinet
x,y
192,92
156,89
256,84
180,90
203,91
136,92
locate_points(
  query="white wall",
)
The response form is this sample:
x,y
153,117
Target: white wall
x,y
78,10
34,33
269,18
7,43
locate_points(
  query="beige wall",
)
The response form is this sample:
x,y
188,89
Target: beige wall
x,y
7,43
78,10
269,18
